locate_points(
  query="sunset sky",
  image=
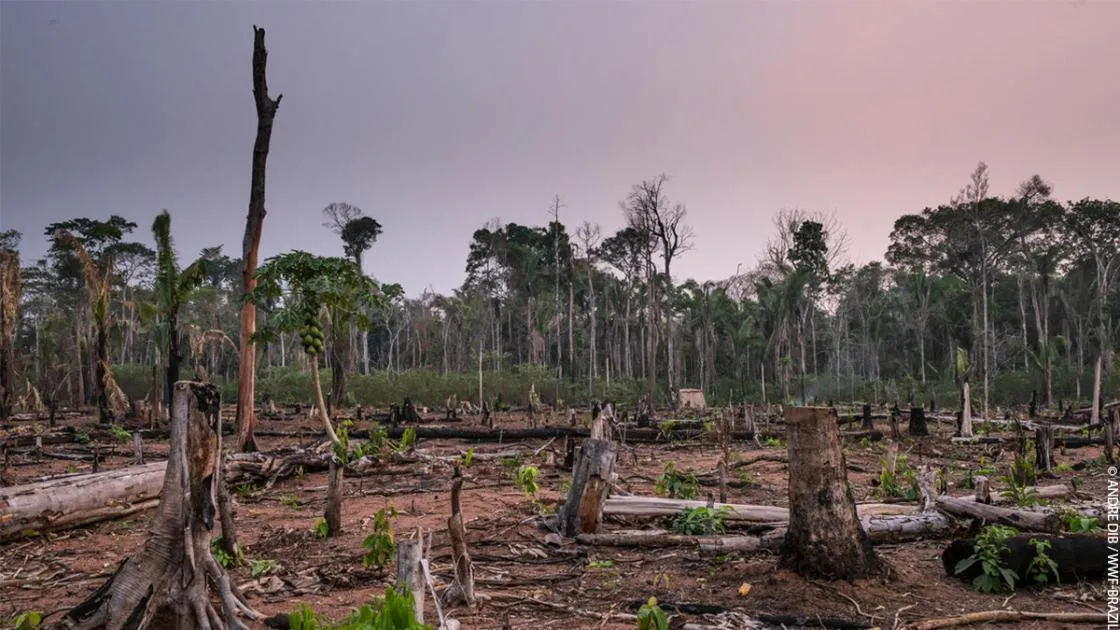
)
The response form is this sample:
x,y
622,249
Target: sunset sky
x,y
435,117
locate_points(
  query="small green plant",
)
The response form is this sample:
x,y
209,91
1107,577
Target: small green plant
x,y
745,478
526,480
600,564
379,545
81,438
1063,467
29,620
988,550
675,484
510,464
220,555
1075,522
773,442
408,440
392,612
565,486
299,474
71,469
468,457
665,427
701,521
245,490
261,567
120,433
291,501
378,440
321,528
651,617
901,483
1020,475
1042,565
864,443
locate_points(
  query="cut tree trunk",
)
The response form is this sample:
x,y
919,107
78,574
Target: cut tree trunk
x,y
168,582
825,537
250,244
591,478
660,506
1044,448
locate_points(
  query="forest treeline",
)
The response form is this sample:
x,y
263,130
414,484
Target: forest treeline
x,y
1006,294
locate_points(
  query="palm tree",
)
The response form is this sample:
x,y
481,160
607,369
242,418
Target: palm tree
x,y
173,287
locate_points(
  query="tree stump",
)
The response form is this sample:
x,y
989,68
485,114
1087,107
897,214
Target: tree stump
x,y
868,423
918,427
410,574
168,581
825,537
591,479
1044,448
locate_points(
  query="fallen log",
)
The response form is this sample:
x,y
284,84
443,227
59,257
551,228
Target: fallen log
x,y
992,616
73,501
76,500
1021,519
658,506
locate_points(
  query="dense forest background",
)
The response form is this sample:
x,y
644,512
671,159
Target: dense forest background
x,y
1018,294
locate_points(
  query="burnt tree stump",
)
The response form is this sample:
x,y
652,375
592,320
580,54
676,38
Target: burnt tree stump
x,y
169,581
918,427
591,478
825,537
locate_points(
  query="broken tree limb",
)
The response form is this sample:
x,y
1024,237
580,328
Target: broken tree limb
x,y
1022,519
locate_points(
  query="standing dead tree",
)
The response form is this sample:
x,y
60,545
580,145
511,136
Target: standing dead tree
x,y
250,245
9,306
170,580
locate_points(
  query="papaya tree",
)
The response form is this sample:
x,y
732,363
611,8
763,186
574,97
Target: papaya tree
x,y
312,289
173,286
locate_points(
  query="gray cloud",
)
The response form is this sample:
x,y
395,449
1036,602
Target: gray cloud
x,y
436,116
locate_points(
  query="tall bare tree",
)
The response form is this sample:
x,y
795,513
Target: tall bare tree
x,y
250,245
648,210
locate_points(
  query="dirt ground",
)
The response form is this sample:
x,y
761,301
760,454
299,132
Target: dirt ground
x,y
523,581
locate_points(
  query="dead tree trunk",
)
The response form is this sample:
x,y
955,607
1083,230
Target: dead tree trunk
x,y
591,478
868,423
463,587
825,537
9,321
250,245
332,512
1044,448
170,580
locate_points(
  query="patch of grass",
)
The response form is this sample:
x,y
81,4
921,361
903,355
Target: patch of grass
x,y
120,433
321,528
902,483
701,521
773,442
392,612
291,501
600,564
